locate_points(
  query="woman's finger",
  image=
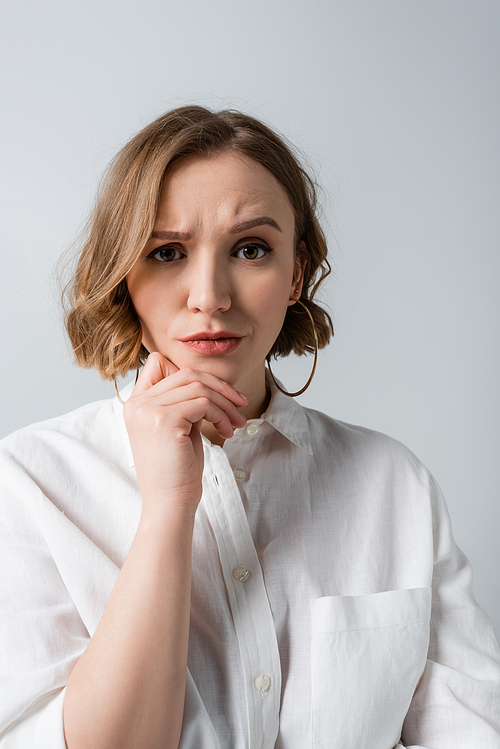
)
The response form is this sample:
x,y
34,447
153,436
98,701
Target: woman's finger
x,y
193,391
198,409
186,376
156,368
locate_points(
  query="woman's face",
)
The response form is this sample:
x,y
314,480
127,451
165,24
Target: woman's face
x,y
213,284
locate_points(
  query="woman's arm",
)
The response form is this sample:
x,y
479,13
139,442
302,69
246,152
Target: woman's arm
x,y
127,689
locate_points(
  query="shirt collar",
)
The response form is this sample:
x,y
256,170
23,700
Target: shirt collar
x,y
125,394
283,413
287,416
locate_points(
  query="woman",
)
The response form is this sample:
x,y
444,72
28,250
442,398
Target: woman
x,y
202,562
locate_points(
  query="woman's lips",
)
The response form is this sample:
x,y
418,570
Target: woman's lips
x,y
213,345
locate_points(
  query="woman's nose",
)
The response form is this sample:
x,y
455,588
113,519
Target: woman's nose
x,y
209,288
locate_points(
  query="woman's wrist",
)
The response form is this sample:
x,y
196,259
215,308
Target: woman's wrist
x,y
176,513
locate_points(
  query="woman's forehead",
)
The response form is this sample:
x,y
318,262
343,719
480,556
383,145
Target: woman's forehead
x,y
229,185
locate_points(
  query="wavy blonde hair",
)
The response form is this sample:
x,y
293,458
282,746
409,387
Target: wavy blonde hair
x,y
100,319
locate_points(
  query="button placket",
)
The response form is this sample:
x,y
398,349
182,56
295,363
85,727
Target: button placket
x,y
253,620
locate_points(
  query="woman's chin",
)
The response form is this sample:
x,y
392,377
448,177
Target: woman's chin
x,y
218,366
237,372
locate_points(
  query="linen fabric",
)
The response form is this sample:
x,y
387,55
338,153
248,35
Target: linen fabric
x,y
330,604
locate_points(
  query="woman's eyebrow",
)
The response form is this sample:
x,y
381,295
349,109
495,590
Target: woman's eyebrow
x,y
180,235
260,221
236,229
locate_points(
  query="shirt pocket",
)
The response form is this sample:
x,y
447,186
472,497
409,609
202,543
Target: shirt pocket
x,y
367,656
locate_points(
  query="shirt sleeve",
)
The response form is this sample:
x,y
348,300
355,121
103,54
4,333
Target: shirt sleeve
x,y
457,702
41,633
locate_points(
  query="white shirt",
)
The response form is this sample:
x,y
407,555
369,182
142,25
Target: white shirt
x,y
330,605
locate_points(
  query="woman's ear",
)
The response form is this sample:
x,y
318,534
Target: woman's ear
x,y
298,273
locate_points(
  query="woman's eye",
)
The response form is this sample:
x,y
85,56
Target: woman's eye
x,y
165,254
252,251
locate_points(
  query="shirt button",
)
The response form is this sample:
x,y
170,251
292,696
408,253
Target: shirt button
x,y
262,682
252,429
241,574
239,474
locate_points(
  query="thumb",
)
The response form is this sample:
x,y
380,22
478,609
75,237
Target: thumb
x,y
156,368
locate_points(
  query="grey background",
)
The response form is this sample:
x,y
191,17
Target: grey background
x,y
395,104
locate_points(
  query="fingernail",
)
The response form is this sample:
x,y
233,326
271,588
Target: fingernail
x,y
242,395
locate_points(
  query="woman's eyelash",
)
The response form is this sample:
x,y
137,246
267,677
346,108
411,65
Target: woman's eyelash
x,y
252,246
169,253
163,252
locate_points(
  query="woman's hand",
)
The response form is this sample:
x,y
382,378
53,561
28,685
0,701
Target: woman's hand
x,y
164,416
128,688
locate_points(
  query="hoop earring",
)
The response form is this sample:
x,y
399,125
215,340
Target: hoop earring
x,y
316,346
116,387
